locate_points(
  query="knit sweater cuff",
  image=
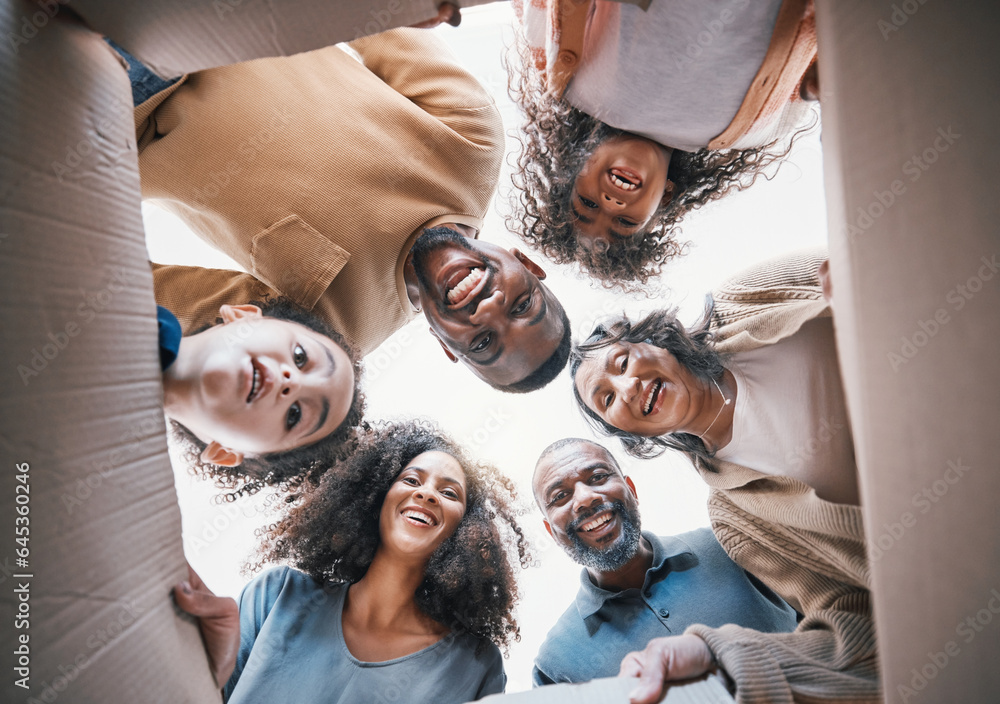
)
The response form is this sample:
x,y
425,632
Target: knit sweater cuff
x,y
748,663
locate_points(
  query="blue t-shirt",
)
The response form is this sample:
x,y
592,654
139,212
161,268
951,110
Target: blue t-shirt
x,y
292,649
692,580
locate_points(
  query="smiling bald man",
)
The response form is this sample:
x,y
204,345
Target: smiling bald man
x,y
635,586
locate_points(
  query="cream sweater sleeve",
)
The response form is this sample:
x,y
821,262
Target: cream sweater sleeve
x,y
831,655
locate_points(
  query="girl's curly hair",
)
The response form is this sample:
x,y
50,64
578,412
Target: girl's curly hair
x,y
331,532
558,139
289,469
692,348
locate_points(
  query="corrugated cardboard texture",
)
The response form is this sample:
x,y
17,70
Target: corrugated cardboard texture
x,y
910,118
178,36
80,390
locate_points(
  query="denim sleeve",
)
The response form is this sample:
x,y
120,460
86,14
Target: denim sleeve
x,y
539,678
256,601
145,83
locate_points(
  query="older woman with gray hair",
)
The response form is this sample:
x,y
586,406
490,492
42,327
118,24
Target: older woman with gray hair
x,y
753,396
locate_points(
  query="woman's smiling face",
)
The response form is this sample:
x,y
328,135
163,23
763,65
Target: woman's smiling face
x,y
425,504
639,388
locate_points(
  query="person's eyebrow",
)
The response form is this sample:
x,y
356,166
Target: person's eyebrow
x,y
331,363
492,358
616,234
542,310
323,413
551,488
582,219
597,386
449,480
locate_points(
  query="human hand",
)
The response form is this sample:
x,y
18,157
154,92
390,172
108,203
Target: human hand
x,y
446,13
663,659
218,621
825,281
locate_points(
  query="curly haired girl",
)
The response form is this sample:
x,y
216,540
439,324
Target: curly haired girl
x,y
625,133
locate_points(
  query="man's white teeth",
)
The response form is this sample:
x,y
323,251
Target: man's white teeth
x,y
621,183
652,397
422,517
596,523
465,285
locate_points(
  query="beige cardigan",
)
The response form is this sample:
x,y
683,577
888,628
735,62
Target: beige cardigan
x,y
810,551
315,172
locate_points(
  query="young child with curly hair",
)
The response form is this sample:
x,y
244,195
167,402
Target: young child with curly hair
x,y
271,395
401,583
636,116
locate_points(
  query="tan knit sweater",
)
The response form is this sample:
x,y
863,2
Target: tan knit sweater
x,y
315,172
810,551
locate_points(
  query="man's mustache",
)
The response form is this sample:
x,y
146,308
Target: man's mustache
x,y
613,506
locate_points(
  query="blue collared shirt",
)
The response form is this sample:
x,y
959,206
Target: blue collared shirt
x,y
692,580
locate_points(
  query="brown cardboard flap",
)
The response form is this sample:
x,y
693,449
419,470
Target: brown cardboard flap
x,y
82,433
179,36
910,115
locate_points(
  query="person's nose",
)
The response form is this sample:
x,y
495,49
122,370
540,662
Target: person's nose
x,y
291,380
584,497
628,388
488,308
612,202
423,493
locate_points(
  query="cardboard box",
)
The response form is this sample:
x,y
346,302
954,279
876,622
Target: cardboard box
x,y
615,690
180,36
910,114
83,435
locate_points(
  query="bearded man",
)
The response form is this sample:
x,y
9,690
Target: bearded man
x,y
635,586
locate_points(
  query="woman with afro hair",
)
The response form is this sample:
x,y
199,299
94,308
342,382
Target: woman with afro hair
x,y
400,585
634,116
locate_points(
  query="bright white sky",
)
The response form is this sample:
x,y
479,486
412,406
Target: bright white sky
x,y
409,376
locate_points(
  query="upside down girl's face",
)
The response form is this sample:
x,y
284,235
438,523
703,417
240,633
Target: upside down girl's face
x,y
257,385
619,189
424,506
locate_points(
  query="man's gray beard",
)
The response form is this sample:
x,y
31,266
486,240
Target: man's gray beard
x,y
616,555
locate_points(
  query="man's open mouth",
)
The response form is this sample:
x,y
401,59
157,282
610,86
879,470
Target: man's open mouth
x,y
467,284
625,179
651,395
597,522
460,289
